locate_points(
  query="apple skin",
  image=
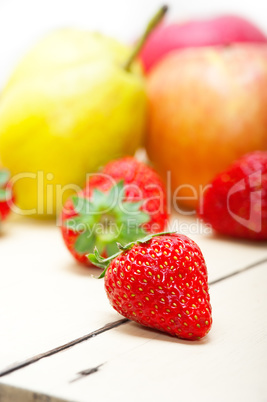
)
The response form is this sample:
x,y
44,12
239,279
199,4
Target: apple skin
x,y
222,30
207,107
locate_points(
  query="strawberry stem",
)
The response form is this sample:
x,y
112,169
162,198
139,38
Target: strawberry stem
x,y
106,218
150,27
103,263
4,177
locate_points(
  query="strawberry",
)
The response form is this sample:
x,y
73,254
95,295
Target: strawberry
x,y
160,282
5,194
235,204
126,200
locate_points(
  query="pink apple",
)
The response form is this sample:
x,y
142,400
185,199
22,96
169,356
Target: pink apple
x,y
222,30
207,107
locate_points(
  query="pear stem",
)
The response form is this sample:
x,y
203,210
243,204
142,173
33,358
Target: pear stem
x,y
150,27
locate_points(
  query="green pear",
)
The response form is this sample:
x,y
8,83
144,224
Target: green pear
x,y
69,107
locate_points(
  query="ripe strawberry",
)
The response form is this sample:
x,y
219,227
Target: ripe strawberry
x,y
5,194
160,282
126,200
236,202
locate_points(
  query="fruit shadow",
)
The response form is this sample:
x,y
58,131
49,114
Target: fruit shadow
x,y
33,221
74,267
3,232
149,334
262,244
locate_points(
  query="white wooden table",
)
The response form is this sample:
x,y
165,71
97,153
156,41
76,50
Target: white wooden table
x,y
61,340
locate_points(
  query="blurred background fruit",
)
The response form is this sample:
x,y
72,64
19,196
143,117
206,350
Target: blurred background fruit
x,y
68,108
235,203
6,194
219,30
122,202
221,22
207,107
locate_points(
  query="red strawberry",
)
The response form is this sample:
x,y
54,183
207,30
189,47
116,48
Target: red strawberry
x,y
160,282
236,202
124,201
5,194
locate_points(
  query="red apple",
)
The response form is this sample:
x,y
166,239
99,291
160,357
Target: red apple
x,y
222,30
207,107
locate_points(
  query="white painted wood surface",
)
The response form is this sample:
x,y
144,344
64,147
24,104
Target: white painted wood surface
x,y
138,364
47,300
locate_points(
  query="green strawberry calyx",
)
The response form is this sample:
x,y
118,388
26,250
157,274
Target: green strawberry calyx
x,y
105,219
103,263
5,193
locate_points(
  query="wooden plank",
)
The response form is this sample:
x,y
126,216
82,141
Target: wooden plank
x,y
139,364
47,300
21,395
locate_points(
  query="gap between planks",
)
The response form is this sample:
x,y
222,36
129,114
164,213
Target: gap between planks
x,y
68,345
105,328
